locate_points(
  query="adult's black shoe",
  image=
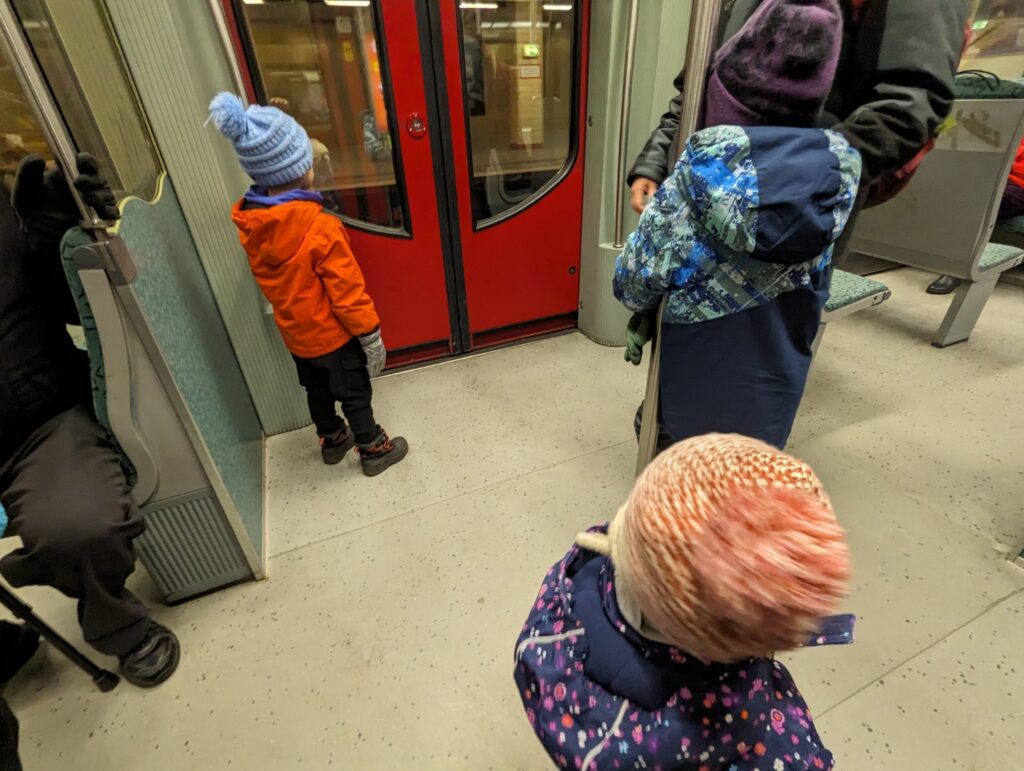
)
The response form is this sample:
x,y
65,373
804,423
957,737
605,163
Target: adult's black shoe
x,y
154,659
944,285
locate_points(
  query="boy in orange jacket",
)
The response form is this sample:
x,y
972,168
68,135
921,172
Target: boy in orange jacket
x,y
301,259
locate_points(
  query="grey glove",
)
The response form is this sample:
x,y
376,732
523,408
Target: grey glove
x,y
376,353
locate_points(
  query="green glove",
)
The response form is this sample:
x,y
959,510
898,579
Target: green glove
x,y
639,332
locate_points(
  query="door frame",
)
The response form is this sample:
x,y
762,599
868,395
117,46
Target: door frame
x,y
434,71
428,23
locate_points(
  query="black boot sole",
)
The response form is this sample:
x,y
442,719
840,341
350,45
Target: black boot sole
x,y
169,669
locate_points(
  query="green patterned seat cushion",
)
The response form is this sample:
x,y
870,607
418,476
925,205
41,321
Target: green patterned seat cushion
x,y
998,255
1012,225
848,288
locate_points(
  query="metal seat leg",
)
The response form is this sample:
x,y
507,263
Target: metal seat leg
x,y
963,314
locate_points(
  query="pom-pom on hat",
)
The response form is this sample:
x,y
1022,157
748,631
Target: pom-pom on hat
x,y
270,144
728,549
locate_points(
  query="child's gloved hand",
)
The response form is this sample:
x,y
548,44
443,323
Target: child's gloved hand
x,y
639,332
376,353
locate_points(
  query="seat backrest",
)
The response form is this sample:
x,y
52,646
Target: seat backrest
x,y
74,239
944,219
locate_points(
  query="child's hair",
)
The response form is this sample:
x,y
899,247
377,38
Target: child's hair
x,y
270,144
730,549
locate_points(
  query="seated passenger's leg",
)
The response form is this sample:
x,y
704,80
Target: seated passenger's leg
x,y
9,760
65,494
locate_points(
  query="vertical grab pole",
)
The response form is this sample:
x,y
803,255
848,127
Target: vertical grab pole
x,y
221,22
701,44
627,97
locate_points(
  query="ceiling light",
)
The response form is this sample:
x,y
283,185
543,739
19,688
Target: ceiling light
x,y
553,7
253,2
478,6
349,3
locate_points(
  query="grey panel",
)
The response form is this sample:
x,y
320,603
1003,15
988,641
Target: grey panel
x,y
178,311
188,548
178,64
662,32
946,216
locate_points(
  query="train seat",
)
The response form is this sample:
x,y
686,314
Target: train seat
x,y
1011,231
185,549
850,294
945,220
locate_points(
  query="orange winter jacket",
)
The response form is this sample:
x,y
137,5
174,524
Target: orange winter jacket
x,y
301,259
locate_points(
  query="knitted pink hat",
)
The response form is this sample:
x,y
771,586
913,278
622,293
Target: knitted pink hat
x,y
729,549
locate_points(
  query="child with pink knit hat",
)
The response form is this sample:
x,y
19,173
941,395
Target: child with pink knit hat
x,y
651,643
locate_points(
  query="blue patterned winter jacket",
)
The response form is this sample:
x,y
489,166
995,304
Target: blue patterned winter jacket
x,y
748,214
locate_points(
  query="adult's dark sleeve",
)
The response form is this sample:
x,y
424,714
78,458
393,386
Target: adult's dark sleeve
x,y
653,161
912,49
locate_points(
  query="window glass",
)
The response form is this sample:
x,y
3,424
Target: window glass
x,y
518,58
20,133
81,60
997,38
320,62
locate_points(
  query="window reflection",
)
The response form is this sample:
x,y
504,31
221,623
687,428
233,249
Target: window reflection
x,y
997,38
518,58
20,133
81,61
320,62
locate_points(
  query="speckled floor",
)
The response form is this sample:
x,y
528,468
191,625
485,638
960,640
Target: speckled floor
x,y
384,637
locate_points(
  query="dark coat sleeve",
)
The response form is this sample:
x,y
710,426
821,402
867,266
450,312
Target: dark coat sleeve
x,y
909,51
653,160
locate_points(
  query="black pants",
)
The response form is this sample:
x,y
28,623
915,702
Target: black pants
x,y
9,760
340,376
65,496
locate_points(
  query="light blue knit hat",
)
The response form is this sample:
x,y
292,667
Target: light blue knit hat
x,y
270,144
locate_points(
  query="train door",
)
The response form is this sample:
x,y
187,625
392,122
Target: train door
x,y
448,135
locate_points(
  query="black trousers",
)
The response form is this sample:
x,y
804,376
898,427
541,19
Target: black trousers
x,y
9,760
340,376
65,495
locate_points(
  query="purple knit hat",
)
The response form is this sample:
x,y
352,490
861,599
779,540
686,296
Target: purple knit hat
x,y
778,69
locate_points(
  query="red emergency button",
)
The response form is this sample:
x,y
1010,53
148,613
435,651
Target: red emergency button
x,y
416,125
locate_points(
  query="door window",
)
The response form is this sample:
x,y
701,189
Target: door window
x,y
519,84
20,132
96,98
322,63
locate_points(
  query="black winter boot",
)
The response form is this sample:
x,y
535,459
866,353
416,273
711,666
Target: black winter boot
x,y
333,449
382,453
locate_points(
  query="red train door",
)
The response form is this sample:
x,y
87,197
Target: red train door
x,y
448,136
515,83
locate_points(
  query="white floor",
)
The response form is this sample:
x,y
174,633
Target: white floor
x,y
384,636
